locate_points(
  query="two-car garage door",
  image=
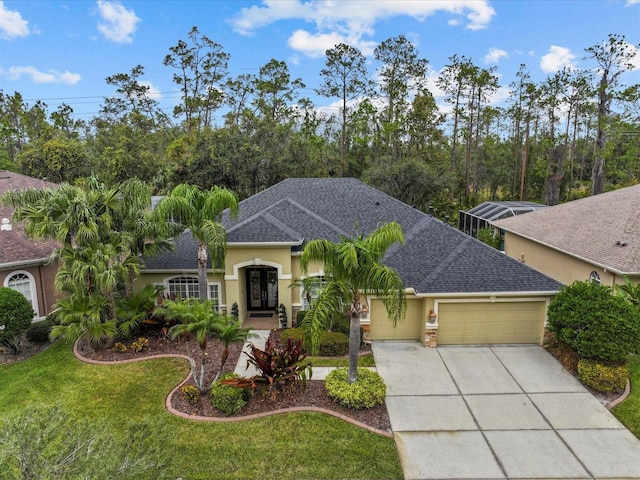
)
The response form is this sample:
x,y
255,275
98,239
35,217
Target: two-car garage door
x,y
478,323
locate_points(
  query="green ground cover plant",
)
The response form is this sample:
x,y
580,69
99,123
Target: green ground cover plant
x,y
301,445
363,361
628,412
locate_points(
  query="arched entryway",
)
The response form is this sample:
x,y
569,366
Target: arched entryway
x,y
262,288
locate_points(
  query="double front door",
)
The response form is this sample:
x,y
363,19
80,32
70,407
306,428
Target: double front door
x,y
262,288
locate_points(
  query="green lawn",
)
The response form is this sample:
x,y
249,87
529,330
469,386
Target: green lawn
x,y
363,361
291,446
628,412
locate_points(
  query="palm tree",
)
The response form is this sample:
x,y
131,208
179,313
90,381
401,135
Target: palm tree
x,y
102,232
353,269
200,319
188,207
231,332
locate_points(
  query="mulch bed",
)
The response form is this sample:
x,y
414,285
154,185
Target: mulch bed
x,y
314,396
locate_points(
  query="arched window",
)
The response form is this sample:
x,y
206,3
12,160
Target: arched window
x,y
594,277
24,283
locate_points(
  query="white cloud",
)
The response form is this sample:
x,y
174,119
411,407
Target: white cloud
x,y
315,45
52,76
153,92
632,2
118,24
349,21
12,25
556,59
494,55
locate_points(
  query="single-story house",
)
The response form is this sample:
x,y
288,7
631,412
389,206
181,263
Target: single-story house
x,y
478,294
24,262
595,238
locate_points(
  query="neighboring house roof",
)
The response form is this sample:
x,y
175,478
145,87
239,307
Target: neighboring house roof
x,y
436,258
15,247
602,229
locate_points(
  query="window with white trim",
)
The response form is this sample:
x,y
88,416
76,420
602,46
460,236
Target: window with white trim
x,y
24,283
189,287
594,277
314,287
183,287
214,294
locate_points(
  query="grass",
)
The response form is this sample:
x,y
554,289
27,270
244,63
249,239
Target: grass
x,y
290,446
628,412
363,361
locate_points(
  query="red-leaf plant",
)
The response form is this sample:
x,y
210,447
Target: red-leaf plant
x,y
277,365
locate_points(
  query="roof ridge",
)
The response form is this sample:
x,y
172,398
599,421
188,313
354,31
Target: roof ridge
x,y
324,221
446,261
410,234
283,227
252,217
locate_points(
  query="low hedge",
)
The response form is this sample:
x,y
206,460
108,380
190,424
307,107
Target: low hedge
x,y
367,391
227,398
332,344
602,377
39,331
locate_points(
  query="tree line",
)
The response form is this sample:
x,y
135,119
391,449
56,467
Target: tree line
x,y
575,133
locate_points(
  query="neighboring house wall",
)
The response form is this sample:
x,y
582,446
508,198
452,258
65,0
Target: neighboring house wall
x,y
555,264
36,283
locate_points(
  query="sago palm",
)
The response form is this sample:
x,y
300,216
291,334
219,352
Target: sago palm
x,y
353,269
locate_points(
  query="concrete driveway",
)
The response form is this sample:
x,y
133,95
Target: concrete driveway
x,y
498,412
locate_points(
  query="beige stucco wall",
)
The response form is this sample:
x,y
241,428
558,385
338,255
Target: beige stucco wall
x,y
557,265
240,257
411,328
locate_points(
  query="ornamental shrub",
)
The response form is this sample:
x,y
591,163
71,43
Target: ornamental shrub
x,y
367,391
38,332
16,316
596,324
601,377
332,344
140,345
228,398
190,393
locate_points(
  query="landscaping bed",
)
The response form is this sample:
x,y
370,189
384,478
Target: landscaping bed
x,y
314,396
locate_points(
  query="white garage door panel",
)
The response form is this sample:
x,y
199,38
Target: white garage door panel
x,y
490,323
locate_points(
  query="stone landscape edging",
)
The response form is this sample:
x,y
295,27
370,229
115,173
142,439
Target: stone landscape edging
x,y
200,418
617,401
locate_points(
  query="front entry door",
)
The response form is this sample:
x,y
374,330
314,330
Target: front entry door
x,y
262,288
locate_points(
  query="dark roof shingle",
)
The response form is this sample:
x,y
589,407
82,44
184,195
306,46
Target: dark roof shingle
x,y
436,258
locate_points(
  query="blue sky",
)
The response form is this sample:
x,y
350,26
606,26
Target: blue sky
x,y
62,51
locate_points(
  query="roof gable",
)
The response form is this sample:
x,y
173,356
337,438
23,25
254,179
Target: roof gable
x,y
602,229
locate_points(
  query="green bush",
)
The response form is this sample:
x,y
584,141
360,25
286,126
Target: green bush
x,y
39,332
332,344
601,377
190,393
596,324
367,391
227,398
16,316
300,317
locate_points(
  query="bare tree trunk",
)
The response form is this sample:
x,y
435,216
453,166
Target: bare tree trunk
x,y
354,338
203,281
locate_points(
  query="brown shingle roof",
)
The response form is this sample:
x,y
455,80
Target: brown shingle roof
x,y
14,245
602,229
